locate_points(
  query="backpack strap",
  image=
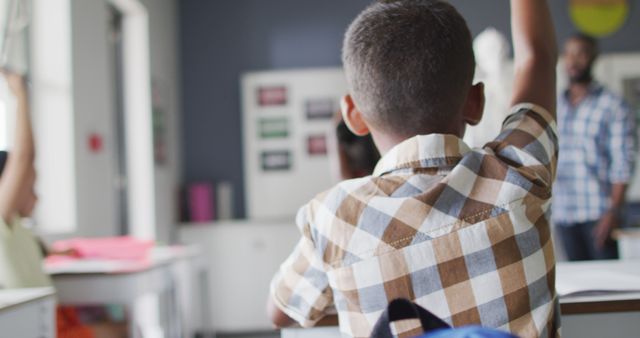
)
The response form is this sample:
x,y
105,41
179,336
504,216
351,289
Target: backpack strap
x,y
400,309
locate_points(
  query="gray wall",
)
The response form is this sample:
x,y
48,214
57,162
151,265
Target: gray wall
x,y
222,39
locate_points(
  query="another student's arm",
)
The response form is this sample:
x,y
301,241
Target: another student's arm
x,y
535,54
22,155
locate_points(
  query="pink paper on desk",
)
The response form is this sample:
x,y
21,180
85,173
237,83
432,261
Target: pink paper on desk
x,y
118,248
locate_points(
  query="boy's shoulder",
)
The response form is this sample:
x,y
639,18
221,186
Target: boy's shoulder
x,y
351,188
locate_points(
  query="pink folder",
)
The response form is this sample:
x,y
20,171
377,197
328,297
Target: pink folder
x,y
119,248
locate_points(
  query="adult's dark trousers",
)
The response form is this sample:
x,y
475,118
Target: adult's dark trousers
x,y
580,245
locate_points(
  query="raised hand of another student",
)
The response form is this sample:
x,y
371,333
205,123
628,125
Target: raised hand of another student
x,y
16,181
16,82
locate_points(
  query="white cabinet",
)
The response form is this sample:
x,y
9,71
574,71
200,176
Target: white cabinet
x,y
241,257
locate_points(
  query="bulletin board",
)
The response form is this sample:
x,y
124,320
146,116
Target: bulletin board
x,y
289,138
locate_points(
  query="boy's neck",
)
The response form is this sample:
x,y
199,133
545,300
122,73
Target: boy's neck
x,y
385,142
578,91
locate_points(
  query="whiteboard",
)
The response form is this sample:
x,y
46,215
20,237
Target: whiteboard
x,y
289,138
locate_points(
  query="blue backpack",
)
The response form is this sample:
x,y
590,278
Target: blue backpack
x,y
432,326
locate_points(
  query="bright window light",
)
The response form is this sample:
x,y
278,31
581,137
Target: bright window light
x,y
52,114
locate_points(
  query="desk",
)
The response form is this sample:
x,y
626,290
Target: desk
x,y
27,313
161,282
605,314
583,316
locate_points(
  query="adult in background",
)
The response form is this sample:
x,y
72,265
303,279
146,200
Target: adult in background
x,y
597,153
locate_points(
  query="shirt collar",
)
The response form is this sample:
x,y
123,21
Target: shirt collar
x,y
594,88
423,151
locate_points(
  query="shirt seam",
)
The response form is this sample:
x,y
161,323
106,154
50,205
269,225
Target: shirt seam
x,y
406,165
459,221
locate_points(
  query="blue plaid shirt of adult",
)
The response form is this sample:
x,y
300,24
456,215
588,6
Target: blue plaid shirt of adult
x,y
597,151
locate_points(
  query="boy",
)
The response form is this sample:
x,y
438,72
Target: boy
x,y
463,233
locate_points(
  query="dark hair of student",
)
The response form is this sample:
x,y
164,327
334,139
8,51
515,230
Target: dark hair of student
x,y
3,160
409,65
360,153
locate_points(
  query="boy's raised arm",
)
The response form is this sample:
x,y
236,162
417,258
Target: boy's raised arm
x,y
535,52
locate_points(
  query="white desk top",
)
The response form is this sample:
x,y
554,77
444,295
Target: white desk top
x,y
158,256
618,279
598,286
10,298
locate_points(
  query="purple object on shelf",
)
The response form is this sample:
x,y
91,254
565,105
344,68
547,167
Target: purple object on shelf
x,y
201,202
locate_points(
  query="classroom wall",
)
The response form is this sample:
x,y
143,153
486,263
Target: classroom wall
x,y
94,113
222,39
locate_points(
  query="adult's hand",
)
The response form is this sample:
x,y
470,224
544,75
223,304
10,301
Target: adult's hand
x,y
604,227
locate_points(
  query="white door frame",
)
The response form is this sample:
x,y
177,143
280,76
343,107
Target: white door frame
x,y
138,118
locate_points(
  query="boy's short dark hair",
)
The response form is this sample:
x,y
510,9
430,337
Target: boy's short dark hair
x,y
409,64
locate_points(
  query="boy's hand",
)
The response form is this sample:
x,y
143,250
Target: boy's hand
x,y
277,316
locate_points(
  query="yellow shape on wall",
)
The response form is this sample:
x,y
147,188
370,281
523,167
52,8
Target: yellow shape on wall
x,y
598,17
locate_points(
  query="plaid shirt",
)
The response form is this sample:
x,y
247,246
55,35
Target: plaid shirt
x,y
463,233
597,149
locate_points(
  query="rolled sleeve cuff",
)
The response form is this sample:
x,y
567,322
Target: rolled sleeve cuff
x,y
276,291
537,109
620,177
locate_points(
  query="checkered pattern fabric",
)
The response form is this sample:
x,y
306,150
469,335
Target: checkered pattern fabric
x,y
597,149
463,233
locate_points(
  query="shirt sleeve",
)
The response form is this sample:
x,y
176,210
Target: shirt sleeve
x,y
301,287
622,144
529,143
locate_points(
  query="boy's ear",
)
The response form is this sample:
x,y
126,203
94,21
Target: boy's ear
x,y
352,117
474,106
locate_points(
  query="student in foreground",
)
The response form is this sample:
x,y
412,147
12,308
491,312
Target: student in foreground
x,y
462,232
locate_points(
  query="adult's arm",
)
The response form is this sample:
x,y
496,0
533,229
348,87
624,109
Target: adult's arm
x,y
611,219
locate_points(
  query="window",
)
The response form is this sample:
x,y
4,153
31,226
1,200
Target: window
x,y
52,115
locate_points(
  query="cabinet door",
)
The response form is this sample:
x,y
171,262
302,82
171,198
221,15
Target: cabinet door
x,y
241,258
